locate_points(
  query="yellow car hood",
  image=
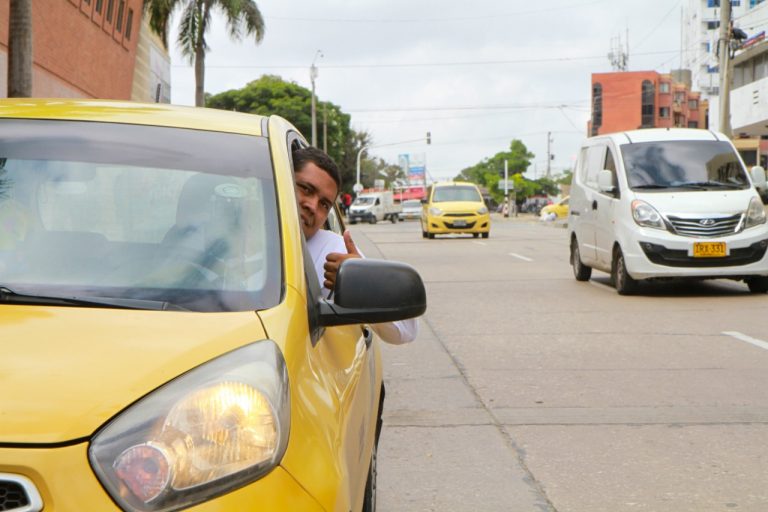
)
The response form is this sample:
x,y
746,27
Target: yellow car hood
x,y
459,206
64,372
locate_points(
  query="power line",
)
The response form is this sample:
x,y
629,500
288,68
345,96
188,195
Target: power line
x,y
432,20
421,64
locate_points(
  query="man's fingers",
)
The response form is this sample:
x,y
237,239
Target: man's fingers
x,y
351,247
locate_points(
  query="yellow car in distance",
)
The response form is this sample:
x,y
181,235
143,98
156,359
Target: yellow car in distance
x,y
455,207
560,209
165,343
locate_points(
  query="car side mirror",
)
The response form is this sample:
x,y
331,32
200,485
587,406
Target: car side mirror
x,y
605,181
374,291
758,177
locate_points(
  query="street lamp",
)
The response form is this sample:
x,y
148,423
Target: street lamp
x,y
312,77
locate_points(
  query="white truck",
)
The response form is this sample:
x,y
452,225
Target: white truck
x,y
373,206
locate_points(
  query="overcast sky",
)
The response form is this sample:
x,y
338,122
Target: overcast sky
x,y
476,74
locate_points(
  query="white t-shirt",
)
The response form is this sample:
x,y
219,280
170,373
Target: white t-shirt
x,y
324,242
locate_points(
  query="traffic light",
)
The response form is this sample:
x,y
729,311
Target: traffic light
x,y
429,137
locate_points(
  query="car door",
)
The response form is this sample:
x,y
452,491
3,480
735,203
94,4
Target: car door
x,y
351,358
582,197
605,212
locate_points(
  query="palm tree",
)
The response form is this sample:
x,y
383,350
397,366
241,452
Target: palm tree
x,y
20,49
242,16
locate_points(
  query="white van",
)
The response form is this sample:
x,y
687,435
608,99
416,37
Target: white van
x,y
662,203
374,206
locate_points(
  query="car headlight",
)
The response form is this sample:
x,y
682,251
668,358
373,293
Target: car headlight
x,y
211,430
646,215
482,211
435,211
755,213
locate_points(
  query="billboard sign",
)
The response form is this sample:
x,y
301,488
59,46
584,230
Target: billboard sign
x,y
414,165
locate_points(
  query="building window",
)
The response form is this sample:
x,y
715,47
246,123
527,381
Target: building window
x,y
693,124
712,25
119,24
693,104
713,3
707,47
664,87
735,3
713,69
99,6
110,9
648,104
129,24
597,108
664,112
679,97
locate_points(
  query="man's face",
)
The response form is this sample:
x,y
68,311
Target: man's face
x,y
315,192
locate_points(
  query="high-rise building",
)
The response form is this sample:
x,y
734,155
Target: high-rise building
x,y
628,100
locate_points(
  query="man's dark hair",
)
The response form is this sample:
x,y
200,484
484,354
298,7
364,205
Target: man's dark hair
x,y
320,158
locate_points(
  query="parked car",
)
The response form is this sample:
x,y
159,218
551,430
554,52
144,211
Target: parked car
x,y
560,209
455,207
667,203
411,209
164,342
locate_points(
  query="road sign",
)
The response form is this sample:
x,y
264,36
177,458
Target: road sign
x,y
510,184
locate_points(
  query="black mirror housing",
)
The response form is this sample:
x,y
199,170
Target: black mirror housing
x,y
374,291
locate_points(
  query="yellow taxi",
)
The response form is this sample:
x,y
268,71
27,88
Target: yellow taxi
x,y
560,208
165,345
455,207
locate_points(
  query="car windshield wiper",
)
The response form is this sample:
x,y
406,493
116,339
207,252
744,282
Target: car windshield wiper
x,y
708,184
650,185
8,296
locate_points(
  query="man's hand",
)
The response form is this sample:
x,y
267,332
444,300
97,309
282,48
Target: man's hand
x,y
333,261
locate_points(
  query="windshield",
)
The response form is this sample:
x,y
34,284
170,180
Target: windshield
x,y
138,212
363,200
455,193
683,164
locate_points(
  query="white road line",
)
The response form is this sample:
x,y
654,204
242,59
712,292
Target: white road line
x,y
480,243
519,256
748,339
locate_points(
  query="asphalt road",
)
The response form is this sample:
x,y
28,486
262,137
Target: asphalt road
x,y
529,391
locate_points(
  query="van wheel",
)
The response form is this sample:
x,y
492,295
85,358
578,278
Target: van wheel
x,y
373,220
625,284
580,271
393,219
758,284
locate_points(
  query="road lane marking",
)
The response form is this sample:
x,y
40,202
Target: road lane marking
x,y
480,243
519,256
743,337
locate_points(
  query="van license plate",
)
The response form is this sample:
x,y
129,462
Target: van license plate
x,y
709,250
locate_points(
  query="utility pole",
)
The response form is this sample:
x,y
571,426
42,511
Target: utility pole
x,y
325,130
724,44
312,77
549,154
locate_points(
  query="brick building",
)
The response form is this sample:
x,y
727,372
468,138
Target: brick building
x,y
90,49
628,100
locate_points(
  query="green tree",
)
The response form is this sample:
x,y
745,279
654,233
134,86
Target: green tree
x,y
489,171
242,16
20,49
272,95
